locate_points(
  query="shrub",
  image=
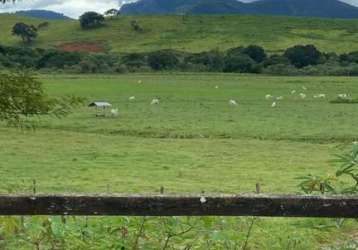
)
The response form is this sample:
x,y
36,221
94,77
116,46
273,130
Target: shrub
x,y
303,55
235,51
240,64
281,69
276,59
58,59
121,69
163,60
134,60
351,57
255,52
212,60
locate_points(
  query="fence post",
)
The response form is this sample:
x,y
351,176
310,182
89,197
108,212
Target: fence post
x,y
34,186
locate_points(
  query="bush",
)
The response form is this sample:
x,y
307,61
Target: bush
x,y
235,51
121,69
163,60
281,69
99,63
303,55
275,60
234,60
255,52
211,61
351,57
58,59
240,64
134,60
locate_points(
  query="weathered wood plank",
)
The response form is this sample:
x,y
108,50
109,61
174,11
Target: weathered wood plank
x,y
242,205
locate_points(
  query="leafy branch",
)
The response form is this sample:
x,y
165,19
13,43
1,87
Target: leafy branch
x,y
22,98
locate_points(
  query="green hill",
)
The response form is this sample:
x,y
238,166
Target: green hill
x,y
307,8
194,33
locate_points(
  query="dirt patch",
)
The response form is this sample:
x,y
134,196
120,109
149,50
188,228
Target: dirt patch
x,y
82,47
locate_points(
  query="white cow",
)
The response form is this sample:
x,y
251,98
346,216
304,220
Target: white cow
x,y
155,101
319,96
233,103
114,112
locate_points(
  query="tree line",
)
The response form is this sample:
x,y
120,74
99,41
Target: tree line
x,y
296,60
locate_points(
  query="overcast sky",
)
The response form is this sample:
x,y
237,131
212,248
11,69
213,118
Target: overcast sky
x,y
74,8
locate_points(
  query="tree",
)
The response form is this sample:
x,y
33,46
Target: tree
x,y
112,13
135,26
303,55
351,57
212,60
23,98
134,60
91,20
240,63
255,52
27,32
163,60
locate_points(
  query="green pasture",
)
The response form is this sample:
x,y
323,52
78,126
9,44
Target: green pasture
x,y
193,141
186,140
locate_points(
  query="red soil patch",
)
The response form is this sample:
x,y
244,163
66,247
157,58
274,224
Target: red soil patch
x,y
82,47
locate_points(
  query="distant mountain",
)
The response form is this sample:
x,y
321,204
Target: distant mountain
x,y
44,14
308,8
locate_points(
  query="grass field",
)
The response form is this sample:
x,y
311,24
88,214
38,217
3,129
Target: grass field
x,y
187,138
196,33
192,141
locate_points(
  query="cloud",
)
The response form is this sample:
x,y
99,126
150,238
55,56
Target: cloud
x,y
72,8
352,2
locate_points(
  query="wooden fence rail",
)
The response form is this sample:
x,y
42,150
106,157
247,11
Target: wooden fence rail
x,y
241,205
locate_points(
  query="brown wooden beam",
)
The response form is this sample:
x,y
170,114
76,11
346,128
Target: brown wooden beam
x,y
241,205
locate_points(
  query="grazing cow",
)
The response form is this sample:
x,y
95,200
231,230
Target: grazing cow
x,y
155,101
233,103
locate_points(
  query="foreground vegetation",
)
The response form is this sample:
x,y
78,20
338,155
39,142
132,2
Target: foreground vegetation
x,y
180,144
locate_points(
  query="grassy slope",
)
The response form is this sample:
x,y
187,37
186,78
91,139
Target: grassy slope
x,y
198,33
